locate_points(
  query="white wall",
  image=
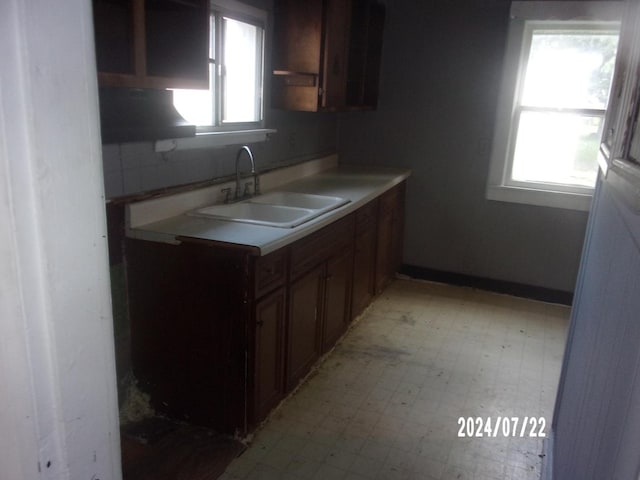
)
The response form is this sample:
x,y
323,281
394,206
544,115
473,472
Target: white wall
x,y
597,416
441,71
58,414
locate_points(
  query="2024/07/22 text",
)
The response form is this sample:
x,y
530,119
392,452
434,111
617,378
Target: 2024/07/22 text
x,y
479,427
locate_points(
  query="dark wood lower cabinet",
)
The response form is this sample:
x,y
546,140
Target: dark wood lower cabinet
x,y
364,258
320,299
303,325
337,301
187,334
268,354
390,236
220,336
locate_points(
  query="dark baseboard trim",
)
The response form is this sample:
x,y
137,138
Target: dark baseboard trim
x,y
499,286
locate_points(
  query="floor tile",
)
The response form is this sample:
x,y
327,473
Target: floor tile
x,y
387,402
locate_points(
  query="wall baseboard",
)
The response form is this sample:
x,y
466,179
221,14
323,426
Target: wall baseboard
x,y
498,286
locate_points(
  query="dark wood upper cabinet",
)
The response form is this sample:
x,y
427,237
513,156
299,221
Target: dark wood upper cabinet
x,y
365,49
152,43
297,36
327,54
113,29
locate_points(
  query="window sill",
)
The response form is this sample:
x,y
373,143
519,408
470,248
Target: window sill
x,y
214,139
541,198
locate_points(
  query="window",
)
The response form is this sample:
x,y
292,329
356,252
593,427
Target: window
x,y
554,96
234,98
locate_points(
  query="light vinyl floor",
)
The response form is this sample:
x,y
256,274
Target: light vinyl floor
x,y
386,403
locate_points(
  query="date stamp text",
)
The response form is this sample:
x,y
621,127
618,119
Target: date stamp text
x,y
478,427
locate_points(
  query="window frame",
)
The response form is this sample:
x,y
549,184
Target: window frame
x,y
527,16
220,13
238,133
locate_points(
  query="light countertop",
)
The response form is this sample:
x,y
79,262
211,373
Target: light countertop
x,y
358,184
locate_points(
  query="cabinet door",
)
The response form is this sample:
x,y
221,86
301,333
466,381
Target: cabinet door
x,y
268,362
337,297
297,36
114,36
326,54
397,229
297,45
385,241
335,54
364,258
152,43
365,49
390,236
303,324
177,39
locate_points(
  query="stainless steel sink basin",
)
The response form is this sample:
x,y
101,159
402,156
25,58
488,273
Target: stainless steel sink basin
x,y
275,209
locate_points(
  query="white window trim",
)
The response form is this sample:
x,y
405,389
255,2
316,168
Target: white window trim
x,y
215,139
254,16
232,133
499,186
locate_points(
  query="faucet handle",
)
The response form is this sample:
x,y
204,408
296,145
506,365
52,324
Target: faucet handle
x,y
227,194
247,189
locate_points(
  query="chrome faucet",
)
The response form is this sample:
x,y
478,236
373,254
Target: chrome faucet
x,y
256,177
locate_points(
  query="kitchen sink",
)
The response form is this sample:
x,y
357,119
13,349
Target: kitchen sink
x,y
275,209
311,201
258,214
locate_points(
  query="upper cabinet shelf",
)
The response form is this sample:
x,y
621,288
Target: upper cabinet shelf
x,y
152,43
327,54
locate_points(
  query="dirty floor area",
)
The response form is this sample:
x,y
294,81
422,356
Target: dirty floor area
x,y
159,449
423,368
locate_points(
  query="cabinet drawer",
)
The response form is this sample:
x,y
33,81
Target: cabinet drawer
x,y
366,217
270,272
389,202
317,247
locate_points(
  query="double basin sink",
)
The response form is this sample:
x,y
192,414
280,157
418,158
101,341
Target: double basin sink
x,y
275,209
